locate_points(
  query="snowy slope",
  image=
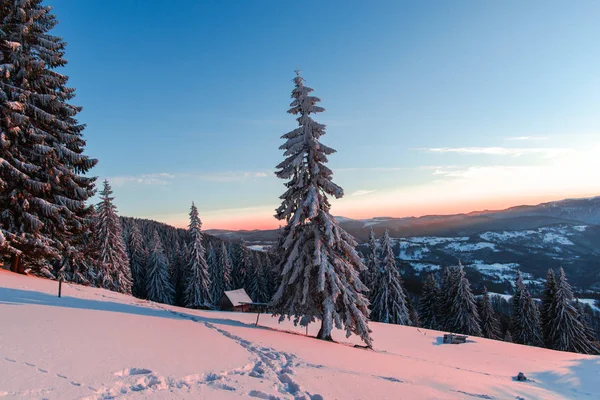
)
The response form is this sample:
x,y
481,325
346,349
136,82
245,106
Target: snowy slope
x,y
96,344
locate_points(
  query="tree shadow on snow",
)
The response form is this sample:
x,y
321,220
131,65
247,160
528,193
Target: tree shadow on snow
x,y
15,297
579,379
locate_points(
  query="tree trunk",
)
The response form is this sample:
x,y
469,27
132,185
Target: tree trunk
x,y
12,264
16,265
322,335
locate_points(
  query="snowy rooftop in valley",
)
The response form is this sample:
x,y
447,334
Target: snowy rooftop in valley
x,y
96,344
238,297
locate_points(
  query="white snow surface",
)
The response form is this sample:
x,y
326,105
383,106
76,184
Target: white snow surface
x,y
257,247
434,240
464,247
549,235
591,302
96,344
424,266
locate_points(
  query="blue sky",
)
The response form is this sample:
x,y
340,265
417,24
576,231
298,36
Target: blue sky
x,y
433,106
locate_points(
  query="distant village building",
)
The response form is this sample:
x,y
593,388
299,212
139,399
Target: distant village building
x,y
235,300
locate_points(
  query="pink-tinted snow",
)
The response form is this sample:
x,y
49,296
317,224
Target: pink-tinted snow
x,y
96,344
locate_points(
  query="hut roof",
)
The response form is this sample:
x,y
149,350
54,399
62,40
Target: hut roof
x,y
238,297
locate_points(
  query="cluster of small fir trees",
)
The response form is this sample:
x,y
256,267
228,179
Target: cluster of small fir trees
x,y
452,307
389,299
558,323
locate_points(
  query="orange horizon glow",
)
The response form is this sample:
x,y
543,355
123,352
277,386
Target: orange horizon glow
x,y
264,220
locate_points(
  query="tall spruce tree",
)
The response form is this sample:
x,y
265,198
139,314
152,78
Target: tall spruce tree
x,y
369,276
525,318
43,189
215,273
225,262
138,257
490,326
429,303
197,280
464,317
320,266
270,277
447,295
390,304
114,272
179,272
586,318
252,281
80,257
568,330
548,308
158,282
255,287
241,265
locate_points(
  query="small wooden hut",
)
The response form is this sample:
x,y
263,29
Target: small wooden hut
x,y
452,338
235,300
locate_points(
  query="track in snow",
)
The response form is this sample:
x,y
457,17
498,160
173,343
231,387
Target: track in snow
x,y
269,364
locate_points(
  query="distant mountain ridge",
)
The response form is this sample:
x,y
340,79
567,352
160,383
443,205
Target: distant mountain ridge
x,y
568,211
491,245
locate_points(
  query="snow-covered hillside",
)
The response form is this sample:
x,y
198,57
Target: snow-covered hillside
x,y
96,344
498,255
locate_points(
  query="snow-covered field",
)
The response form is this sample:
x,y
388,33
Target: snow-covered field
x,y
97,344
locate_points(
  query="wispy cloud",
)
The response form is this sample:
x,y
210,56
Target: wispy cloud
x,y
228,176
162,178
165,178
362,192
548,152
381,169
478,171
521,138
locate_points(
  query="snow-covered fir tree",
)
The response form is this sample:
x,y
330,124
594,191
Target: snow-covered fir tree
x,y
369,275
179,271
446,297
320,266
225,262
568,331
490,327
270,277
113,269
158,282
390,301
215,273
413,312
252,281
429,303
548,308
464,317
241,265
197,280
525,318
43,190
137,260
585,313
80,256
255,286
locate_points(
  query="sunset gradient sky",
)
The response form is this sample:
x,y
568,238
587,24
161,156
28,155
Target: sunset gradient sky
x,y
434,107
